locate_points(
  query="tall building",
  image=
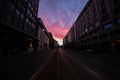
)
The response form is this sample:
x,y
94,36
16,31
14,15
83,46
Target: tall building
x,y
97,28
17,25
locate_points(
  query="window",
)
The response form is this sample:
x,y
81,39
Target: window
x,y
97,23
29,4
107,26
28,12
27,20
82,32
86,30
25,0
17,12
91,28
31,15
22,15
117,21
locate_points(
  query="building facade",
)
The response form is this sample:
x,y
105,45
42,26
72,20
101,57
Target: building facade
x,y
45,38
43,35
18,31
97,28
53,42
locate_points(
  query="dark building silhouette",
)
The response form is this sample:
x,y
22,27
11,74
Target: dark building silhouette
x,y
53,42
97,28
18,31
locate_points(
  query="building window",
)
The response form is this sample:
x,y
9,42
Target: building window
x,y
17,12
25,0
29,4
82,32
107,26
86,30
91,28
28,12
22,15
27,20
97,23
117,21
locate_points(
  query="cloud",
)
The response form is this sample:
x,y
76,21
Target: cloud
x,y
59,15
57,30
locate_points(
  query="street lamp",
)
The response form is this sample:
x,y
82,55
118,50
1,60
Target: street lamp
x,y
43,30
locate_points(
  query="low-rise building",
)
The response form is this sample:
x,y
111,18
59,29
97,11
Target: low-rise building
x,y
43,35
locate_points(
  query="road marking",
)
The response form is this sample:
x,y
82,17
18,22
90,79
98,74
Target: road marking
x,y
84,66
61,53
41,67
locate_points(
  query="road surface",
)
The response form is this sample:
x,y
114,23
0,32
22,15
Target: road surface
x,y
66,65
60,64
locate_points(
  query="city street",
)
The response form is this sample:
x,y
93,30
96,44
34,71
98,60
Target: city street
x,y
59,39
59,64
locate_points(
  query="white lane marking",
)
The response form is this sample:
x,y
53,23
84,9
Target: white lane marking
x,y
84,66
61,53
42,66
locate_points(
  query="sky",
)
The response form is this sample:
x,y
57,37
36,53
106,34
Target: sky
x,y
59,15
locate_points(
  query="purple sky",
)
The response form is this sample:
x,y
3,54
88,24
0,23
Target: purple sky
x,y
59,15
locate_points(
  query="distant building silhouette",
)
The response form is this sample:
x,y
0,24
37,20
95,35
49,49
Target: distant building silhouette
x,y
97,28
53,42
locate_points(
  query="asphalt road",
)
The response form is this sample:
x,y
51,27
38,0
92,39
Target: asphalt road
x,y
68,65
59,64
22,66
94,67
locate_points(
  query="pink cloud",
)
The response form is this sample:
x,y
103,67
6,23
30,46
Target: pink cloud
x,y
58,31
58,28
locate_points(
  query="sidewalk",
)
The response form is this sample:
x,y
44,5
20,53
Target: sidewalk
x,y
111,61
22,66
